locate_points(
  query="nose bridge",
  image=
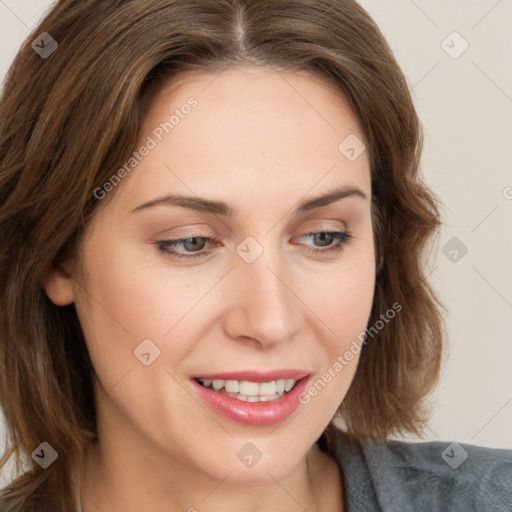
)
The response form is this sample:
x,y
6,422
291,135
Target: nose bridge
x,y
265,307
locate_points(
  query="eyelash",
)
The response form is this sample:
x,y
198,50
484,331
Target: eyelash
x,y
343,238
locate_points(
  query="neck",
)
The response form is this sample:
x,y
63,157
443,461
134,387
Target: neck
x,y
123,480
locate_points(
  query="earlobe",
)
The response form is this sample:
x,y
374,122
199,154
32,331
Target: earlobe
x,y
58,285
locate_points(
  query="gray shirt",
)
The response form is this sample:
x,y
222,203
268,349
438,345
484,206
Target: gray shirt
x,y
393,476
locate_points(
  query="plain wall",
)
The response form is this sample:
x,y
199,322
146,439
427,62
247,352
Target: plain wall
x,y
465,104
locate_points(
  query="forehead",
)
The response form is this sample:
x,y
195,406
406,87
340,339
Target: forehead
x,y
272,97
250,130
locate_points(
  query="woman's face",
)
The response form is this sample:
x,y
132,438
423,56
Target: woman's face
x,y
203,261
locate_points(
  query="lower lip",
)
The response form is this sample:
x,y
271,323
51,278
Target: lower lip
x,y
256,414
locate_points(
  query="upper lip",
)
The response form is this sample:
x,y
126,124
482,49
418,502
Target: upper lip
x,y
256,376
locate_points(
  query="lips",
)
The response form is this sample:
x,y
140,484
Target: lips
x,y
253,410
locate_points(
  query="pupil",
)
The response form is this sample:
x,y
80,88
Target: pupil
x,y
191,243
324,237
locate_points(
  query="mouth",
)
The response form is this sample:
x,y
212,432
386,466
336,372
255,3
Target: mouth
x,y
252,398
249,391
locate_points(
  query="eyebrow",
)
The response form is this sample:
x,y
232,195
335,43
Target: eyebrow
x,y
224,209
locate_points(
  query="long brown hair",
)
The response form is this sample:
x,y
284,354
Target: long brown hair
x,y
68,121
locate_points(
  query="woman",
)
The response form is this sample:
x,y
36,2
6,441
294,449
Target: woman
x,y
213,229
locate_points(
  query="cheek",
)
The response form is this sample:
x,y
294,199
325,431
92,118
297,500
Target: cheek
x,y
339,299
342,295
125,300
132,294
345,310
137,295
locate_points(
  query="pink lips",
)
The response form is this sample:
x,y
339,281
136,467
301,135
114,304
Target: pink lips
x,y
254,413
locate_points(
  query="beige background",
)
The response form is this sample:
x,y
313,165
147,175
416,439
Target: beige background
x,y
466,107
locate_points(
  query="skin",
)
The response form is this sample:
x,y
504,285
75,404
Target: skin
x,y
261,141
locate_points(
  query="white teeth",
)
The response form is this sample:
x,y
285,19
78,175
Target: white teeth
x,y
246,390
288,384
233,386
268,398
245,398
268,388
249,388
217,384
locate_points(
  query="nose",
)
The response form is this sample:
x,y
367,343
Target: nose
x,y
262,304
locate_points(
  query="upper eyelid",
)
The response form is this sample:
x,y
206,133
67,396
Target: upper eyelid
x,y
213,238
321,226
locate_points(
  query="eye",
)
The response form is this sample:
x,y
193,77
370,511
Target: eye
x,y
192,247
332,241
195,247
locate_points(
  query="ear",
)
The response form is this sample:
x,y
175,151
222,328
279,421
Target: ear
x,y
58,284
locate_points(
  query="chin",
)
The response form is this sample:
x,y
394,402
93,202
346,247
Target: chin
x,y
256,461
